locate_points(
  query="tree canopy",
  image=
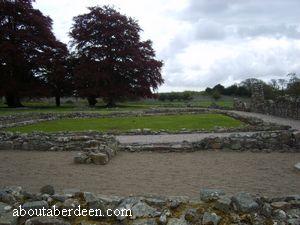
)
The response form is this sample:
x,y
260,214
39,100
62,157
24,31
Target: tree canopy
x,y
272,90
111,59
27,46
108,59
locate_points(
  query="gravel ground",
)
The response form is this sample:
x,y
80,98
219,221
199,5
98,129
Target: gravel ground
x,y
155,173
170,138
295,124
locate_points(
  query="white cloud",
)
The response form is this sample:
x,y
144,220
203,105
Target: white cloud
x,y
205,42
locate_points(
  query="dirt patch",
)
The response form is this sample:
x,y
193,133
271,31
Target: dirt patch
x,y
157,173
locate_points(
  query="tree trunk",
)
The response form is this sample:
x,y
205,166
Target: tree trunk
x,y
57,101
12,101
92,101
111,103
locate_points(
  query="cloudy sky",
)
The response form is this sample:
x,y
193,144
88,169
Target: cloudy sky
x,y
205,42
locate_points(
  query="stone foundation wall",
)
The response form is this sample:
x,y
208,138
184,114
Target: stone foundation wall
x,y
212,207
273,141
95,147
62,141
91,142
284,141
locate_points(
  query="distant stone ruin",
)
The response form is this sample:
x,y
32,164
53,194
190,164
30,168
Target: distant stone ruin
x,y
240,105
283,106
257,98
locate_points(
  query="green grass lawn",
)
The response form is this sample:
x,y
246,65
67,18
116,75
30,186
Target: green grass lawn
x,y
128,106
65,109
80,105
155,123
228,102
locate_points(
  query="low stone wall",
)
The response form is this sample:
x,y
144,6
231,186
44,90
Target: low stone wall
x,y
260,141
62,141
22,119
95,147
212,207
273,141
91,143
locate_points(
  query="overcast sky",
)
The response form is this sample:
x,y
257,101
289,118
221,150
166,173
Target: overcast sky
x,y
205,42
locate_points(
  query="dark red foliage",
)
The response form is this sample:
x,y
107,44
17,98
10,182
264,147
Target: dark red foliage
x,y
58,77
26,46
111,60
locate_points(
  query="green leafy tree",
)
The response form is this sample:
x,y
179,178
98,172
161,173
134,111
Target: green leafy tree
x,y
293,86
216,95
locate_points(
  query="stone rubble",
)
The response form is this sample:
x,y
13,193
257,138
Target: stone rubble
x,y
217,209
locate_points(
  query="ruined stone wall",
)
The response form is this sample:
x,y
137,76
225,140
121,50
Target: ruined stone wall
x,y
212,207
284,106
268,141
257,98
94,142
94,147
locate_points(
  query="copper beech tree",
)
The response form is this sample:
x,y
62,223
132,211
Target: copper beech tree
x,y
32,61
109,59
57,75
112,62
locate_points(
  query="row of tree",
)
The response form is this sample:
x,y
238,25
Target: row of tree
x,y
273,89
106,59
233,90
176,96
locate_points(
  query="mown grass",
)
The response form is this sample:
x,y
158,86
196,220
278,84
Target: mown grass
x,y
119,124
202,103
65,109
127,106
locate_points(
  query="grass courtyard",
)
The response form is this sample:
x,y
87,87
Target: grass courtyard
x,y
119,124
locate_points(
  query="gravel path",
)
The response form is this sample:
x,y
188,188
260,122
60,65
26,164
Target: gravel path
x,y
155,173
295,124
170,138
177,138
